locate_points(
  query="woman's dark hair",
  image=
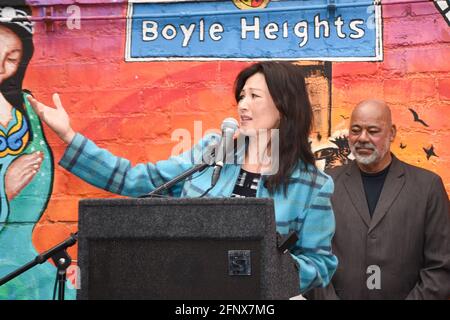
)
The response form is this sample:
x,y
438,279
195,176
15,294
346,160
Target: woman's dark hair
x,y
11,88
287,87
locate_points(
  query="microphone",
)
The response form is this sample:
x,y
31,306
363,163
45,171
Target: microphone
x,y
229,127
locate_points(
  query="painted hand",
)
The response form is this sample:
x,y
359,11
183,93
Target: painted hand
x,y
56,118
21,172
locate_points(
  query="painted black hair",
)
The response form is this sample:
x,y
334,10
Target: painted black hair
x,y
11,88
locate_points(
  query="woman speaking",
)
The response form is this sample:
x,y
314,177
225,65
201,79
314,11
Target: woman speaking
x,y
272,102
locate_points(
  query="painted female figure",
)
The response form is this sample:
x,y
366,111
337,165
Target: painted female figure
x,y
26,163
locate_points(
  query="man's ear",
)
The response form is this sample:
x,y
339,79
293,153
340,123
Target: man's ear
x,y
393,132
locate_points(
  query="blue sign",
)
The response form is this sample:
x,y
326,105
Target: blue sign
x,y
333,30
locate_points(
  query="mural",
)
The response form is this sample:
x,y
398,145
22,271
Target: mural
x,y
129,92
334,155
444,8
250,4
26,162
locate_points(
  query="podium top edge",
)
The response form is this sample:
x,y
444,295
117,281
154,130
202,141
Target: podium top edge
x,y
173,201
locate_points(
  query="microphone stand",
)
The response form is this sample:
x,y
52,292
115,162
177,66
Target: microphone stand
x,y
174,181
59,256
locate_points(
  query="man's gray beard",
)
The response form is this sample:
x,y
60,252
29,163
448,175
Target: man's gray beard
x,y
371,159
366,160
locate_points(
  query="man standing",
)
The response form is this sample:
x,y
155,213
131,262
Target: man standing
x,y
392,222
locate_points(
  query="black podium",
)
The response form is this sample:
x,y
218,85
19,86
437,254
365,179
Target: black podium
x,y
182,249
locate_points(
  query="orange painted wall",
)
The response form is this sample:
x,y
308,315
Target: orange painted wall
x,y
415,73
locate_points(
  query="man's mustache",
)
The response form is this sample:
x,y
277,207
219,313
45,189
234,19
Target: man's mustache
x,y
365,145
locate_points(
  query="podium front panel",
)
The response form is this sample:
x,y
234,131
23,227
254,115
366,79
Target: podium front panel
x,y
182,249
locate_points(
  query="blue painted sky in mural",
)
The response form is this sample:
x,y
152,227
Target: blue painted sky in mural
x,y
289,29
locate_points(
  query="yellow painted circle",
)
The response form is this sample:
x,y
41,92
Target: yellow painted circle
x,y
251,4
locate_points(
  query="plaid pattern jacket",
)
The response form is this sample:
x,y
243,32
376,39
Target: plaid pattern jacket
x,y
306,208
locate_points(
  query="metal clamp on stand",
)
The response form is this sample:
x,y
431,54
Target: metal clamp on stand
x,y
62,261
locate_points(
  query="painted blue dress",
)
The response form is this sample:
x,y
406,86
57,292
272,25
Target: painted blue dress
x,y
19,216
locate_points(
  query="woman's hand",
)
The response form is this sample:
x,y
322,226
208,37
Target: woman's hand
x,y
56,118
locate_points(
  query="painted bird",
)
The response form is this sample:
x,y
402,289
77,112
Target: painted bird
x,y
430,152
416,117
